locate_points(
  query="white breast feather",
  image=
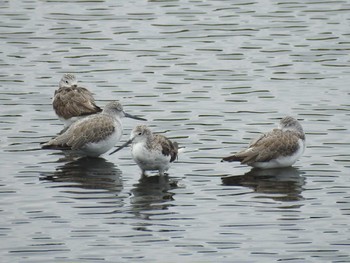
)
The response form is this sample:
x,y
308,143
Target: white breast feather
x,y
150,159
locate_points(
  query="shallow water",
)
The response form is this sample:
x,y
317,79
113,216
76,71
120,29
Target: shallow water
x,y
211,75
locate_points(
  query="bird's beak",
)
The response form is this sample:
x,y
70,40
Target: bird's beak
x,y
133,117
122,146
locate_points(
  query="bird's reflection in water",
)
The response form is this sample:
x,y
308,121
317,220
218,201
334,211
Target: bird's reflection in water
x,y
87,173
283,184
152,193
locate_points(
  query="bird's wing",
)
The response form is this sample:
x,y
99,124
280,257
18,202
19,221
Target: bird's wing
x,y
168,147
269,146
73,102
87,130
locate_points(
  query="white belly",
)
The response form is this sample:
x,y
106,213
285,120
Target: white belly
x,y
97,148
149,160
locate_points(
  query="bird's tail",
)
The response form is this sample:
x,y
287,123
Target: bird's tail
x,y
232,158
179,149
46,146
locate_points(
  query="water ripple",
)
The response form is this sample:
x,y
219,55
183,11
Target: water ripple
x,y
211,75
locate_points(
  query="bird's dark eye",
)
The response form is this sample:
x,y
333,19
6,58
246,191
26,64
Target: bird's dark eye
x,y
66,81
140,133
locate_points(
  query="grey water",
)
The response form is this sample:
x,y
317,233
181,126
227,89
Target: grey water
x,y
211,75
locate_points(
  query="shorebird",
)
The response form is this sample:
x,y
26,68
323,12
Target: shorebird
x,y
280,147
95,134
151,151
72,102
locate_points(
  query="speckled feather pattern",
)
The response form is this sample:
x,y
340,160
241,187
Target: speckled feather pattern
x,y
92,135
152,151
270,146
82,132
73,102
280,147
161,143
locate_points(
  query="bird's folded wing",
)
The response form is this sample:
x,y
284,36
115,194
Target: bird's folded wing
x,y
74,102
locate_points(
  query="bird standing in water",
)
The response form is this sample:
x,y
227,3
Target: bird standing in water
x,y
93,135
72,102
280,147
151,151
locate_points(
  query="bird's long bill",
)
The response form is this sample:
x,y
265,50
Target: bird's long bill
x,y
133,117
122,146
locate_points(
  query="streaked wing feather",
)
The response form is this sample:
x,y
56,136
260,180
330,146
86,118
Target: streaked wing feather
x,y
72,102
82,132
269,146
168,147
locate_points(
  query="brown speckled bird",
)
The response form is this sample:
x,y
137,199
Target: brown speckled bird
x,y
72,102
280,147
151,151
93,135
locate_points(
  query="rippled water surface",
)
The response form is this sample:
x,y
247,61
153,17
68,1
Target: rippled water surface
x,y
211,75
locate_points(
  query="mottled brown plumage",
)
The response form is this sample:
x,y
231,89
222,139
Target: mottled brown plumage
x,y
71,100
269,146
167,147
93,135
151,151
82,132
278,148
